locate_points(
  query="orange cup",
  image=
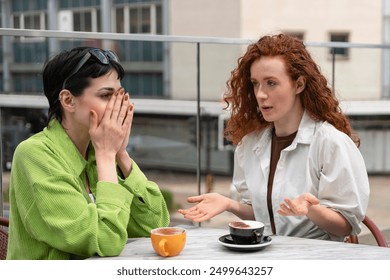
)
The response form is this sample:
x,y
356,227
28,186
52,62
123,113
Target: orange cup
x,y
168,241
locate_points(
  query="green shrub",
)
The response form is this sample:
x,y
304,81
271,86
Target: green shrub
x,y
168,196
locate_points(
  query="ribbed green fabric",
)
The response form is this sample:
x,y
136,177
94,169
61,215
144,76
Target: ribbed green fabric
x,y
53,217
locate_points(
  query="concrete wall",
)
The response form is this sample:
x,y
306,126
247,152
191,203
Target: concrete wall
x,y
357,78
204,18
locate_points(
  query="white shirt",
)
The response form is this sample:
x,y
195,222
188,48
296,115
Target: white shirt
x,y
321,160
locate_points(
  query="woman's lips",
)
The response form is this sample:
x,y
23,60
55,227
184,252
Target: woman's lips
x,y
266,108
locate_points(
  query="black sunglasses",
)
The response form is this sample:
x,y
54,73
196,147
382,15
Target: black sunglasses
x,y
104,57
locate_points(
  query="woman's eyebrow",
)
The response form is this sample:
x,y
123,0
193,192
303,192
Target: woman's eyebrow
x,y
106,89
269,77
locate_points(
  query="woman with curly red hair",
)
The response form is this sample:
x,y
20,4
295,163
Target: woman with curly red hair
x,y
297,164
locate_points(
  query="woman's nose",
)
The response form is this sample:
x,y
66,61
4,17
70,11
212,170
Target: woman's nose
x,y
260,94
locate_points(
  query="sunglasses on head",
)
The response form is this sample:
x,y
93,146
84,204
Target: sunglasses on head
x,y
102,56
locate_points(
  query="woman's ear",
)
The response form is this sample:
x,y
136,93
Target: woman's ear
x,y
300,84
66,99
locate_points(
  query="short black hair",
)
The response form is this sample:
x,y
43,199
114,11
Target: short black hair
x,y
58,68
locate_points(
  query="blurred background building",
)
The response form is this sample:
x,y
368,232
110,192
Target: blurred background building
x,y
161,76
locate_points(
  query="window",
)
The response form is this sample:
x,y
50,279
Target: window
x,y
27,83
86,20
17,21
339,37
71,4
144,19
37,20
30,21
140,20
28,5
144,84
120,19
159,20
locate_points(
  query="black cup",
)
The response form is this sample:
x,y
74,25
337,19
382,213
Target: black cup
x,y
246,232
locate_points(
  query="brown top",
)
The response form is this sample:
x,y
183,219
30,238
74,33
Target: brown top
x,y
278,144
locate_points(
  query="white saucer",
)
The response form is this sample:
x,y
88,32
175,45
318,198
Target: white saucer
x,y
227,241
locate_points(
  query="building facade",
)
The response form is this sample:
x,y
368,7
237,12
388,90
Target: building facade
x,y
143,76
159,72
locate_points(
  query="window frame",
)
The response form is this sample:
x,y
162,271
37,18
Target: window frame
x,y
94,18
126,25
43,21
340,53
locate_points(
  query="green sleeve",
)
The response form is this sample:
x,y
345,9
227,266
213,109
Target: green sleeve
x,y
62,218
54,209
148,208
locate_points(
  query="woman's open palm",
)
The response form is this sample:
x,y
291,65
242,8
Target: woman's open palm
x,y
209,205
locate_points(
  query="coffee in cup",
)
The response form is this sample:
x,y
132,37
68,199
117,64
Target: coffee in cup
x,y
168,241
246,231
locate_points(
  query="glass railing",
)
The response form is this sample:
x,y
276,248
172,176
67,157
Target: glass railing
x,y
177,84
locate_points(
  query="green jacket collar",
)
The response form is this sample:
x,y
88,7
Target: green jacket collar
x,y
56,133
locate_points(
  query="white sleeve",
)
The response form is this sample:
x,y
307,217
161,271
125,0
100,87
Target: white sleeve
x,y
343,183
239,181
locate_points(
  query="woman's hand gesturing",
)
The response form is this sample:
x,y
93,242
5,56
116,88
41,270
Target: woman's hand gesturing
x,y
208,205
298,206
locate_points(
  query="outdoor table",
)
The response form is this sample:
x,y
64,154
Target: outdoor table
x,y
203,244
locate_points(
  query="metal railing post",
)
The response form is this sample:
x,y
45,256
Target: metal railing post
x,y
198,138
333,50
1,165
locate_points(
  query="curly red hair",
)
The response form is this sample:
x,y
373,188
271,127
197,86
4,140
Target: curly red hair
x,y
317,97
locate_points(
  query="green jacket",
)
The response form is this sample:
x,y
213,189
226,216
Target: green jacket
x,y
53,217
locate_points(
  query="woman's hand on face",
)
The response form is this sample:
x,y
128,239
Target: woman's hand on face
x,y
110,134
125,142
209,205
298,206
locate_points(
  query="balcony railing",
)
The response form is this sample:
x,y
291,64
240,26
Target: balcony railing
x,y
194,71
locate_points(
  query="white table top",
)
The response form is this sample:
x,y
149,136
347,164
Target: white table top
x,y
202,243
